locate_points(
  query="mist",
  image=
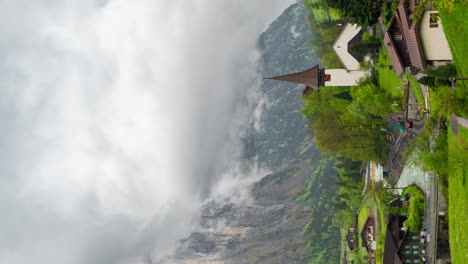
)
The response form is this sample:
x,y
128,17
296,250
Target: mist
x,y
119,118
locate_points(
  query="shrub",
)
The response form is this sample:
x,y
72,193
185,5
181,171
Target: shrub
x,y
415,210
330,60
419,11
444,71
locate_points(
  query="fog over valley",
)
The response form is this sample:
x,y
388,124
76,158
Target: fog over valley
x,y
120,119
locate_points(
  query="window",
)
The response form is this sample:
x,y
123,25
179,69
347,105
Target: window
x,y
434,20
327,77
398,37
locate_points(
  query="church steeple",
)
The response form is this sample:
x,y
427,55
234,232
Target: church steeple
x,y
314,77
311,78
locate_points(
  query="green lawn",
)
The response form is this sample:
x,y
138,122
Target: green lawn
x,y
455,25
387,78
342,242
362,217
458,194
382,225
364,212
416,87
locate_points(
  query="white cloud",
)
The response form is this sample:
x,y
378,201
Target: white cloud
x,y
117,118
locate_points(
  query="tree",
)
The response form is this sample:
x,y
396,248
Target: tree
x,y
362,12
444,102
330,60
370,101
427,80
344,95
337,130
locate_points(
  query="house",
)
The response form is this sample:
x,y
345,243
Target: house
x,y
402,246
368,235
413,45
435,44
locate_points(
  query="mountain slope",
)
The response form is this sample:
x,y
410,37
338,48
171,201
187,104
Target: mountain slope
x,y
271,229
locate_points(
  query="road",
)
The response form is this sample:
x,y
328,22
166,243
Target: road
x,y
432,193
431,219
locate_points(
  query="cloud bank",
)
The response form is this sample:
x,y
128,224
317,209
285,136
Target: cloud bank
x,y
117,119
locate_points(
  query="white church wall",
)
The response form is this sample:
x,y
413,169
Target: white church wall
x,y
342,77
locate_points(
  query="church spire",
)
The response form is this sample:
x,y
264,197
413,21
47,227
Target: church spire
x,y
310,77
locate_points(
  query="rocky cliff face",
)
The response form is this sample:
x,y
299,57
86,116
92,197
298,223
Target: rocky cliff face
x,y
267,229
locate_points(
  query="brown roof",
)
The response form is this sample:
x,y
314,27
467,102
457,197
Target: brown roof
x,y
391,249
393,53
409,29
308,77
403,16
414,46
365,231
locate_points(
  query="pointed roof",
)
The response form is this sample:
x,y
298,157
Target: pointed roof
x,y
308,77
411,41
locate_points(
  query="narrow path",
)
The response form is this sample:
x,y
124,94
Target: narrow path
x,y
372,175
376,220
458,121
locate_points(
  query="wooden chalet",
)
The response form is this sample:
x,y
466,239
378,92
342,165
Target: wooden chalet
x,y
401,246
368,235
402,40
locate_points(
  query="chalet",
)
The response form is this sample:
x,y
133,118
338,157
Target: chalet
x,y
368,236
413,45
402,246
349,75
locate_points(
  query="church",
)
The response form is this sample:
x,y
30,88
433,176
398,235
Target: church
x,y
314,78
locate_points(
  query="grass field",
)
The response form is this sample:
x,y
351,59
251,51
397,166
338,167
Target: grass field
x,y
416,87
387,78
456,30
382,225
342,242
458,194
364,212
